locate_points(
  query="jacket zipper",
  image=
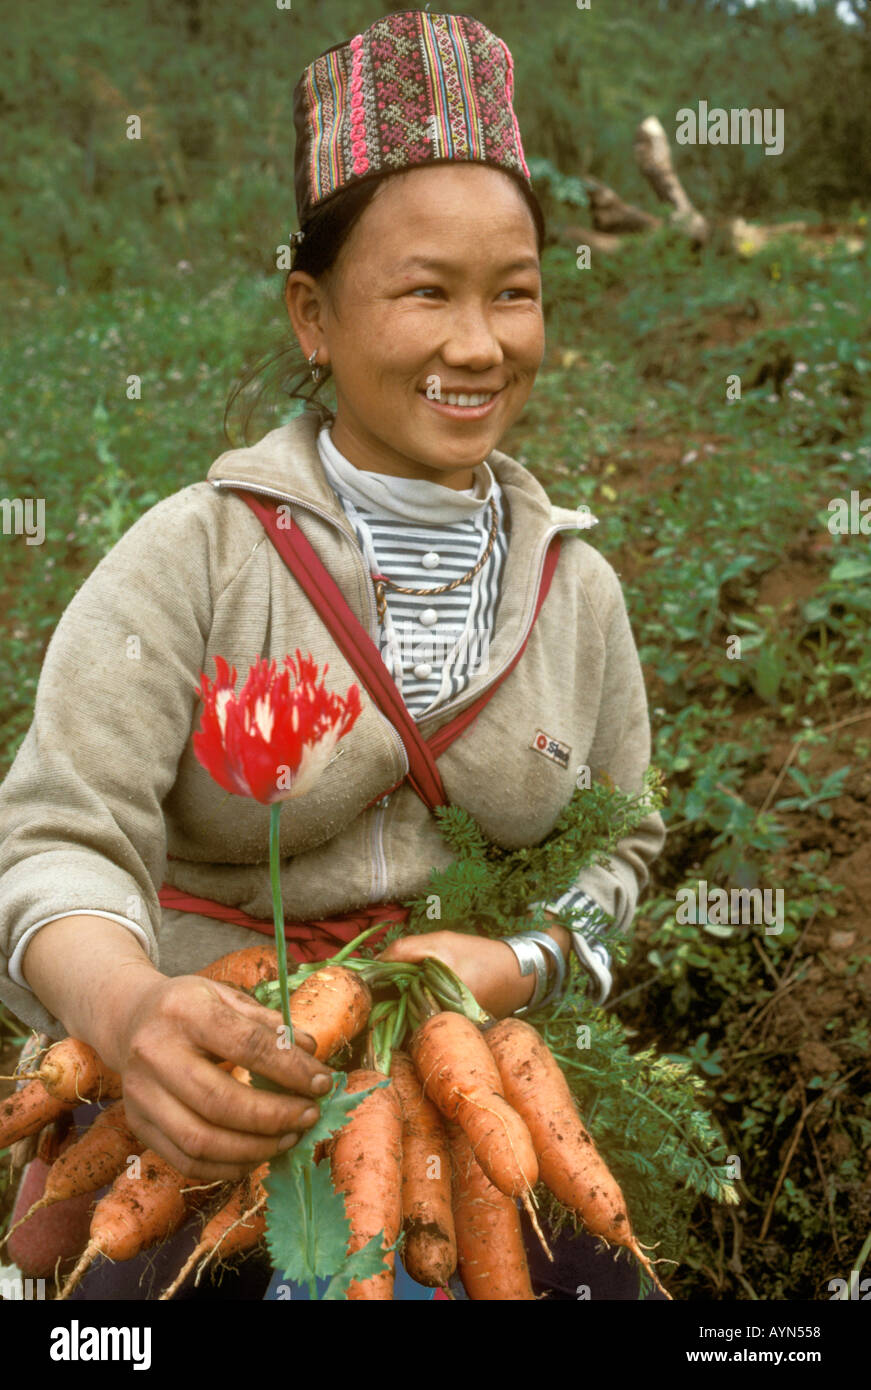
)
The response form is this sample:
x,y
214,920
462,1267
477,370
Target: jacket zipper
x,y
379,861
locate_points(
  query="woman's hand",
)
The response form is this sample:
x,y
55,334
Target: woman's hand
x,y
179,1102
488,967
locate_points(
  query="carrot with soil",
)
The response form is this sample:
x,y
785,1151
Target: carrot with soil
x,y
332,1005
137,1213
246,968
490,1250
366,1166
461,1077
430,1250
236,1226
90,1162
72,1072
27,1111
570,1164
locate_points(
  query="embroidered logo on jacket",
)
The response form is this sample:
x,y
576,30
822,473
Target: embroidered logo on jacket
x,y
551,748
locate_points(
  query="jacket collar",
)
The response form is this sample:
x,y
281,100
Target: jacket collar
x,y
287,460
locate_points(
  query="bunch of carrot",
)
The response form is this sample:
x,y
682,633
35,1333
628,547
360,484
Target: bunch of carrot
x,y
471,1120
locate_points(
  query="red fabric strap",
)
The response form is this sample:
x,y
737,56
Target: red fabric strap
x,y
306,941
355,642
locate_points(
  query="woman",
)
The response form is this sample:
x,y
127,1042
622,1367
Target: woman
x,y
417,286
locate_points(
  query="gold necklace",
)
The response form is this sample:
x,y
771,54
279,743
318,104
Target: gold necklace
x,y
381,579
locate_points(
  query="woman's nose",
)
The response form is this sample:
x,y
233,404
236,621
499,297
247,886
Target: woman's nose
x,y
471,340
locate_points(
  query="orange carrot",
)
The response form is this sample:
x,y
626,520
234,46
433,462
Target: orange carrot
x,y
91,1161
490,1249
367,1167
27,1111
333,1006
246,968
460,1075
71,1071
236,1226
570,1163
135,1214
430,1250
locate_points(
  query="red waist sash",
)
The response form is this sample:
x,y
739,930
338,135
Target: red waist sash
x,y
306,941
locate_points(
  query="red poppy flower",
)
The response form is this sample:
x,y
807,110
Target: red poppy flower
x,y
272,741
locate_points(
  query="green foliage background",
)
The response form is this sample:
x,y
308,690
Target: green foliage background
x,y
212,81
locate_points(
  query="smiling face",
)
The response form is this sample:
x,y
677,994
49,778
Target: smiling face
x,y
435,298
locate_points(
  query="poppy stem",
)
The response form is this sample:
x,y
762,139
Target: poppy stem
x,y
278,914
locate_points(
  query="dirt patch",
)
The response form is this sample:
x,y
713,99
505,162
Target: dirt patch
x,y
731,325
786,587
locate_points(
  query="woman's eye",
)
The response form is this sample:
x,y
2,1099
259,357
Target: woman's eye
x,y
428,290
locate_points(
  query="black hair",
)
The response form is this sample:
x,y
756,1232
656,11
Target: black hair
x,y
286,370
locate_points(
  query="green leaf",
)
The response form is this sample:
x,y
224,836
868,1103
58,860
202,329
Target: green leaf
x,y
769,673
368,1260
850,568
308,1230
816,610
336,1108
715,929
307,1227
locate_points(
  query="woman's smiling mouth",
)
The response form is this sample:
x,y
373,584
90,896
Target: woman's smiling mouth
x,y
464,405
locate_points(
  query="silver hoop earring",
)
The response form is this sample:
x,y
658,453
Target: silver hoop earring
x,y
315,370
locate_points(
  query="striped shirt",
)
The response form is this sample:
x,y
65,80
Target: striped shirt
x,y
433,644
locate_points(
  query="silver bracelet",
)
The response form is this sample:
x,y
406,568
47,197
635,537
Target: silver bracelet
x,y
530,957
524,947
548,944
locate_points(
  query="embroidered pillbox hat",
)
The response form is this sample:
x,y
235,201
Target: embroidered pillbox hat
x,y
414,88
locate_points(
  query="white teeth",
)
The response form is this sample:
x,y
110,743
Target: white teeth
x,y
451,398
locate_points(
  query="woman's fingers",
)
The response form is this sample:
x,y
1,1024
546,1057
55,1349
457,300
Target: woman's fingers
x,y
410,948
271,1018
193,1146
253,1039
230,1105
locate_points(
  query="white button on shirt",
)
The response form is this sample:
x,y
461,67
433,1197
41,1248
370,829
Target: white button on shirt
x,y
423,535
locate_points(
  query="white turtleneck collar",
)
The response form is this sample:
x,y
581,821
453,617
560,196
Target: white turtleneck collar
x,y
409,499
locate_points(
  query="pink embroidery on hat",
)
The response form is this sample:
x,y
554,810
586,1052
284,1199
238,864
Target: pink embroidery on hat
x,y
358,111
509,102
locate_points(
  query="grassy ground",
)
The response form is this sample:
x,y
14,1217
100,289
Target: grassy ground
x,y
714,512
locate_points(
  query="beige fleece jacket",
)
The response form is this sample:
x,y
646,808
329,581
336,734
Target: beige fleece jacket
x,y
106,800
